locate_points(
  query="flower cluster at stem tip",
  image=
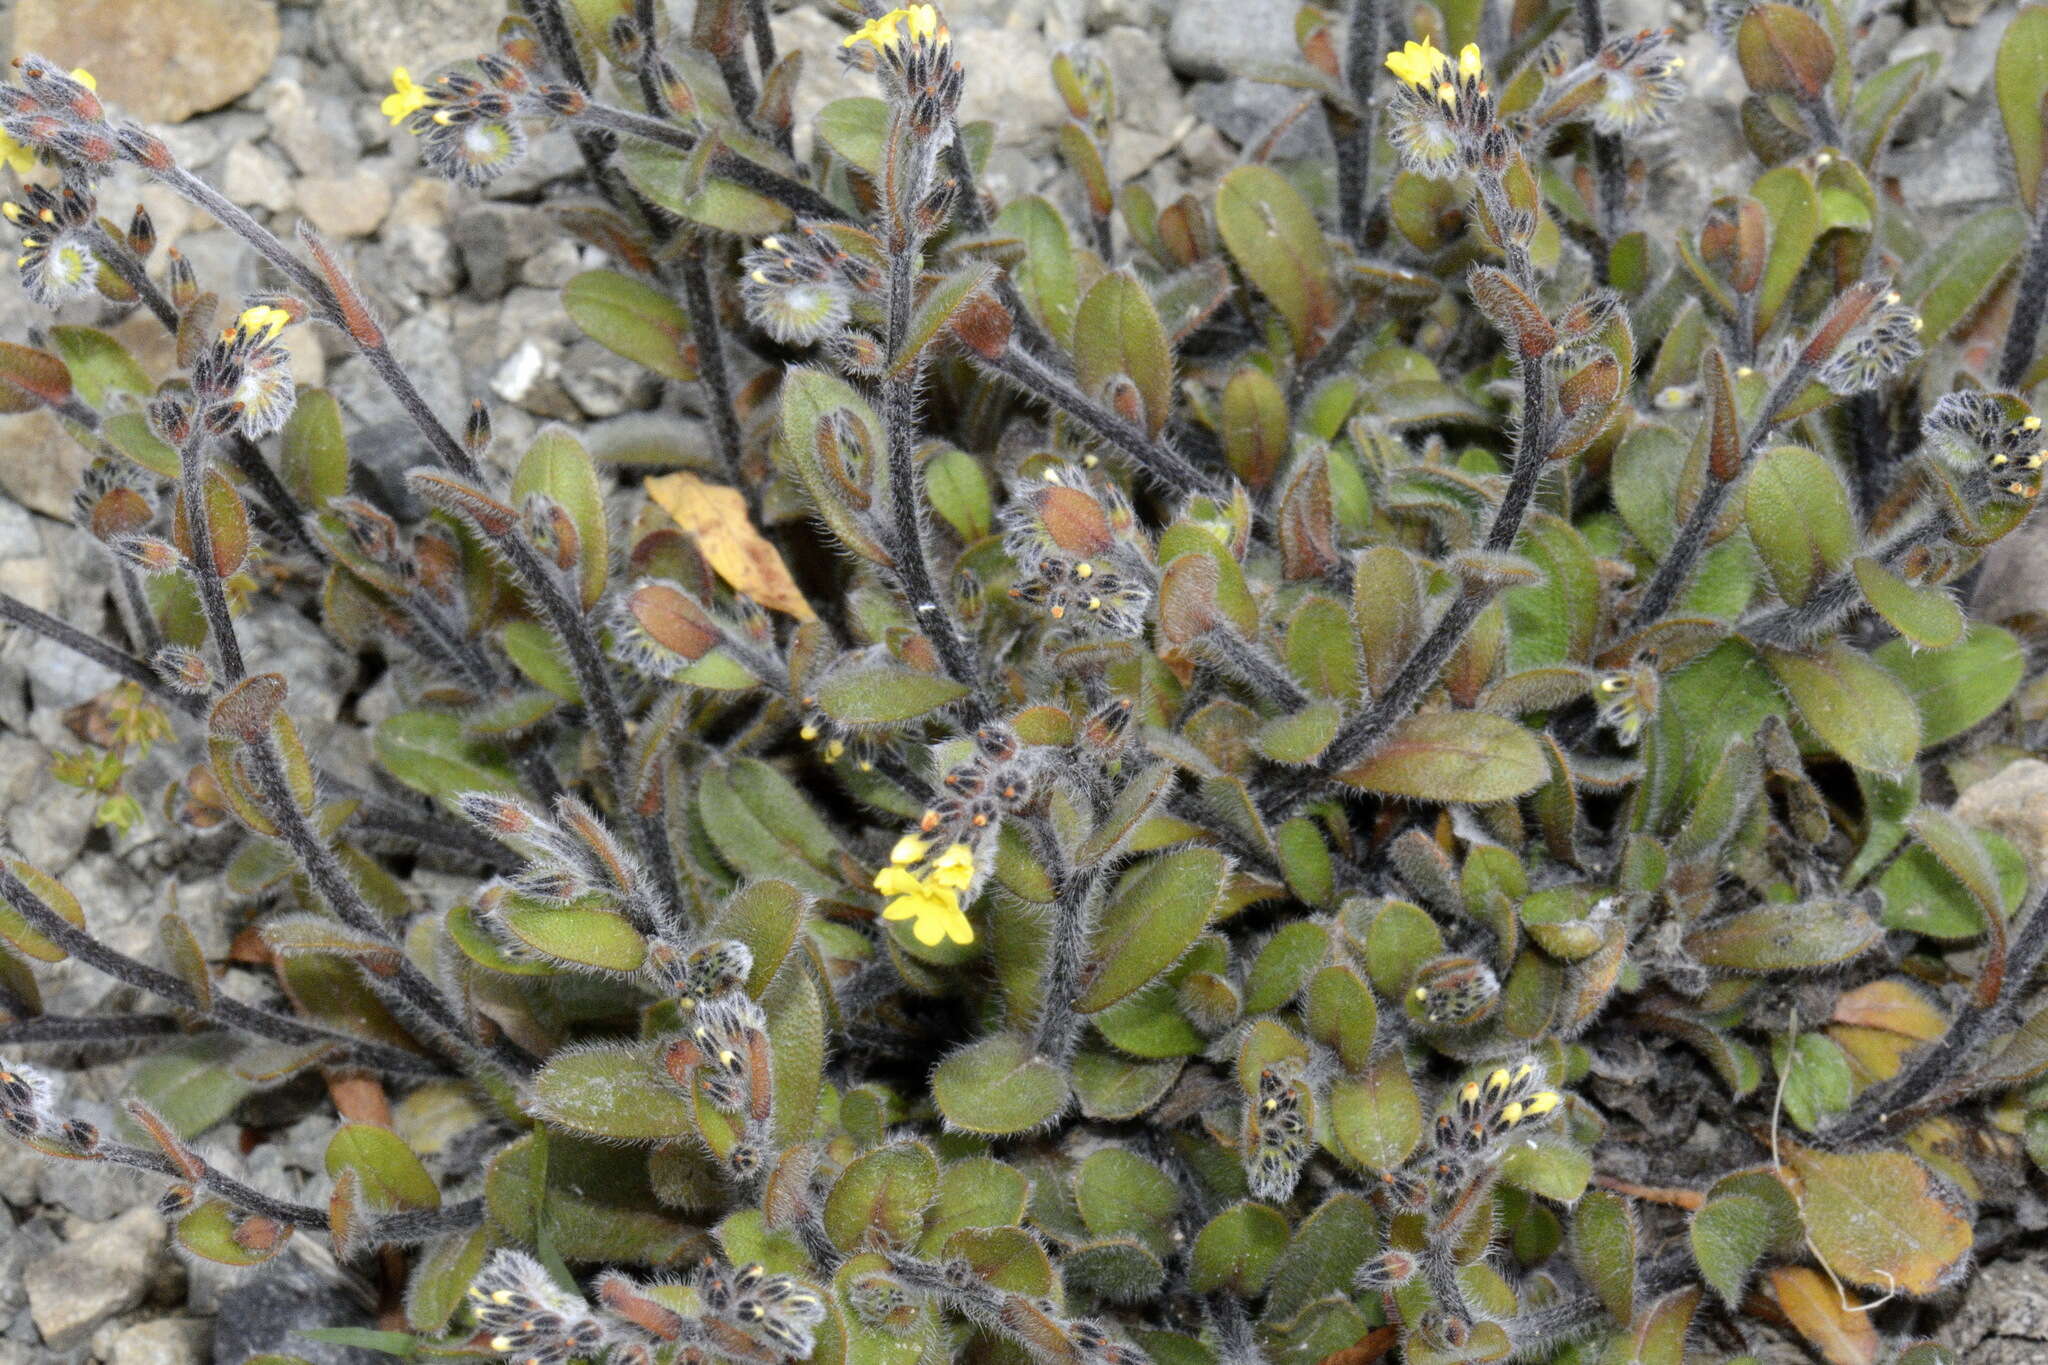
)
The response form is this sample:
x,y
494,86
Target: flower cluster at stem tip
x,y
930,900
23,159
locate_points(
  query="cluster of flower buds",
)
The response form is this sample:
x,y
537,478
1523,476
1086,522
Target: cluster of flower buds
x,y
1869,336
57,261
779,1311
1455,992
800,286
241,382
911,51
1078,553
1639,81
469,127
725,1057
525,1315
568,858
1444,113
1627,86
55,116
706,972
1627,698
660,628
998,780
25,1096
1277,1139
1978,436
1507,1101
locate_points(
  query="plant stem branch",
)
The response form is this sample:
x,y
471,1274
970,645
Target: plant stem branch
x,y
2028,303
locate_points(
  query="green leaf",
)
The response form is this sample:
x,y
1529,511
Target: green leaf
x,y
191,1084
1851,704
1273,236
100,366
1553,621
430,752
614,1092
312,453
1376,1116
1775,938
1547,1168
51,892
935,312
1324,1254
1729,1235
387,1173
879,691
557,465
1300,737
2020,77
1798,513
834,444
1793,208
763,826
1120,1194
1453,756
1925,616
1956,688
1606,1249
1158,909
997,1087
583,936
208,1232
855,128
1118,333
1947,282
1817,1079
1237,1250
1047,277
883,1193
631,318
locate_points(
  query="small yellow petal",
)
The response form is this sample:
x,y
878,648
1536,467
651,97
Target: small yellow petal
x,y
909,849
84,78
1470,64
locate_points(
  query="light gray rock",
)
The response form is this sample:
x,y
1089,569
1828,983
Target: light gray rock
x,y
423,345
2004,1320
373,36
1208,37
605,385
1151,112
104,1271
352,204
1964,166
1009,80
255,178
315,129
1246,112
261,1313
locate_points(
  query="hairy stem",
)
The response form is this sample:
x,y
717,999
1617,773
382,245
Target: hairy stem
x,y
1354,143
213,598
224,1010
2028,304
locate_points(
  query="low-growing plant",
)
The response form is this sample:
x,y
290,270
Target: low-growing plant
x,y
1222,781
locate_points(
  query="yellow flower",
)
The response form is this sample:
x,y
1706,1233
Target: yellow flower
x,y
1470,63
405,98
881,32
1418,63
935,914
262,320
14,154
931,902
954,869
909,849
84,78
922,19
